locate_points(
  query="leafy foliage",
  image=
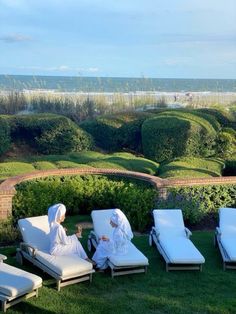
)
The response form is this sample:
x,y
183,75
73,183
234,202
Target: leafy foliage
x,y
82,194
5,139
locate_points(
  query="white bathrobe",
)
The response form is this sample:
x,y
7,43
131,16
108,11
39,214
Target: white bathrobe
x,y
60,243
117,244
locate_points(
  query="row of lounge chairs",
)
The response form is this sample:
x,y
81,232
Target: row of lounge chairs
x,y
169,235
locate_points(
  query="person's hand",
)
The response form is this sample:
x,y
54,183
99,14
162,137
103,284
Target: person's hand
x,y
65,229
104,238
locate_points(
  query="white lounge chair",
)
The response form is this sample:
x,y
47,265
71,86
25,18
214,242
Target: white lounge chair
x,y
225,236
132,262
172,241
16,284
35,248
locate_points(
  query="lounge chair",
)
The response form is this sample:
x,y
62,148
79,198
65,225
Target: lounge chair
x,y
16,284
35,248
225,237
171,238
132,262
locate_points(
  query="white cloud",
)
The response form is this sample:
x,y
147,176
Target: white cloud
x,y
14,38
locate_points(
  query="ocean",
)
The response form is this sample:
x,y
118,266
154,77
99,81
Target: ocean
x,y
114,85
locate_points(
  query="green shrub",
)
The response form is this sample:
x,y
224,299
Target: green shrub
x,y
190,167
8,169
43,165
117,132
50,134
8,233
226,143
222,116
173,134
5,139
82,194
197,202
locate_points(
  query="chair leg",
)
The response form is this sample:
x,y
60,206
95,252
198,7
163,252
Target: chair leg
x,y
4,306
58,285
90,278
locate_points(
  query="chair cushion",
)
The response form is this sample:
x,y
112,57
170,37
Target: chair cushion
x,y
133,258
228,242
35,231
15,282
169,222
227,221
101,222
65,266
181,250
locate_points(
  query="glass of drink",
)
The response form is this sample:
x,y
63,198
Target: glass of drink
x,y
79,230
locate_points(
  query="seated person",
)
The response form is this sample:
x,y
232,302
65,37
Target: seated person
x,y
60,243
117,244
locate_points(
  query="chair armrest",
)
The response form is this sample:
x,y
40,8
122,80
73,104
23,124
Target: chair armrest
x,y
2,257
93,235
218,231
155,232
24,246
188,232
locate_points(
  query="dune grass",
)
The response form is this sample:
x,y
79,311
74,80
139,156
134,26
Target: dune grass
x,y
125,161
211,291
190,167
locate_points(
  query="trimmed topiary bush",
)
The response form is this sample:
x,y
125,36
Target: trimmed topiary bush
x,y
50,134
82,194
5,139
174,134
117,132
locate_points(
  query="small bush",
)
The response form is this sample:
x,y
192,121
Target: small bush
x,y
82,194
8,233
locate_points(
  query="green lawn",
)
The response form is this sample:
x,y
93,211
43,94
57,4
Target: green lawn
x,y
210,291
125,161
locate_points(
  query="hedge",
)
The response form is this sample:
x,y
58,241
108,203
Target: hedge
x,y
5,139
174,134
117,132
49,134
198,202
82,194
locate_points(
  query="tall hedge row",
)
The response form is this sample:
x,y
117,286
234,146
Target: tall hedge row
x,y
48,134
82,194
117,132
174,134
5,139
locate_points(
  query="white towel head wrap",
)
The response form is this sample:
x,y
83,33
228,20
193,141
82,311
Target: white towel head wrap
x,y
119,218
55,212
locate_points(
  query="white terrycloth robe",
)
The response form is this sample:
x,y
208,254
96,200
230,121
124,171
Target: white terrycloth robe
x,y
117,245
61,244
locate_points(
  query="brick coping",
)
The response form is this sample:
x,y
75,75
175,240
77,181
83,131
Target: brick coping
x,y
7,187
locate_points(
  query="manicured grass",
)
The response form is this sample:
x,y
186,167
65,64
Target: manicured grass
x,y
190,167
125,161
211,291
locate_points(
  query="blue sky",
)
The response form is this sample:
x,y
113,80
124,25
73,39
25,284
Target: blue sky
x,y
122,38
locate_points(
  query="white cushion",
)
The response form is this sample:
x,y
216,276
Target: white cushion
x,y
169,222
64,266
15,282
101,222
133,258
227,221
181,250
228,242
35,231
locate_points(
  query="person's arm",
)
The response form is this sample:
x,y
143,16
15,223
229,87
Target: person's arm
x,y
64,238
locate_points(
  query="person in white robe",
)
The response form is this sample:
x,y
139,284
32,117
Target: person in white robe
x,y
60,243
117,244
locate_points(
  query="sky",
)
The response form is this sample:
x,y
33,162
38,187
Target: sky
x,y
119,38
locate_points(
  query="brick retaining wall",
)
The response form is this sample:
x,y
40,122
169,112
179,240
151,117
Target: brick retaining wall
x,y
7,188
